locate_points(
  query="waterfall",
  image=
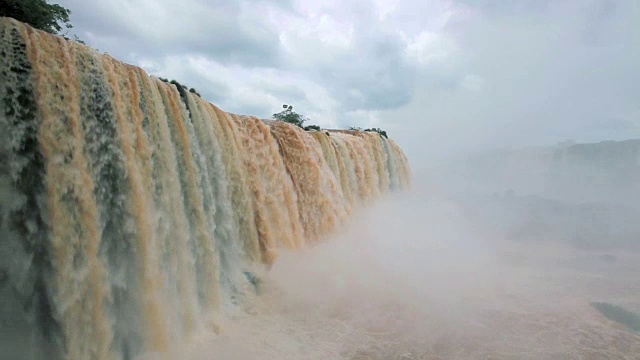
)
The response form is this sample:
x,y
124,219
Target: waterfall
x,y
130,208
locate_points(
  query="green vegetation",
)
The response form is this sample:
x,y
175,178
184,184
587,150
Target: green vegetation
x,y
290,116
378,130
179,86
51,18
38,13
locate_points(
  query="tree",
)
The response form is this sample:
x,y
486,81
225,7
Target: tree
x,y
290,116
181,88
379,131
51,18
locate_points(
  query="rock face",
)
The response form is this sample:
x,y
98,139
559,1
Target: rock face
x,y
131,208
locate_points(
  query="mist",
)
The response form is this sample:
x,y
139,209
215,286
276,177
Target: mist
x,y
514,243
440,273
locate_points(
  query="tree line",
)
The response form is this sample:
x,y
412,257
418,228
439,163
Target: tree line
x,y
289,116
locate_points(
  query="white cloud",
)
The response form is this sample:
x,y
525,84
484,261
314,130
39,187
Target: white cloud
x,y
537,75
473,83
429,48
438,74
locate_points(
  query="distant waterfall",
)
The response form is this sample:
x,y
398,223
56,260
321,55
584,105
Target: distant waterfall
x,y
129,207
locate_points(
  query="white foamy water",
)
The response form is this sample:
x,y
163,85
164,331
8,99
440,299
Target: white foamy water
x,y
130,208
410,280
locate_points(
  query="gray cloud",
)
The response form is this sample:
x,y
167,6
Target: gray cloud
x,y
513,7
229,32
358,57
216,90
373,77
369,73
439,75
543,80
289,93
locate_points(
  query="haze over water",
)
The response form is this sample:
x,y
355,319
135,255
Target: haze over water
x,y
418,276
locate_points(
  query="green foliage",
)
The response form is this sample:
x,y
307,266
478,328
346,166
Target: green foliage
x,y
177,84
51,18
290,116
312,127
379,131
180,87
76,38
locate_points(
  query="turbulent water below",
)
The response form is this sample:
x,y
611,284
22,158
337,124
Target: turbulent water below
x,y
413,279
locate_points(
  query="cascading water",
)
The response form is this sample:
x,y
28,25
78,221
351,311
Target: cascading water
x,y
129,208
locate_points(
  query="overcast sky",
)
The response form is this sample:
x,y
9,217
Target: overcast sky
x,y
437,75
